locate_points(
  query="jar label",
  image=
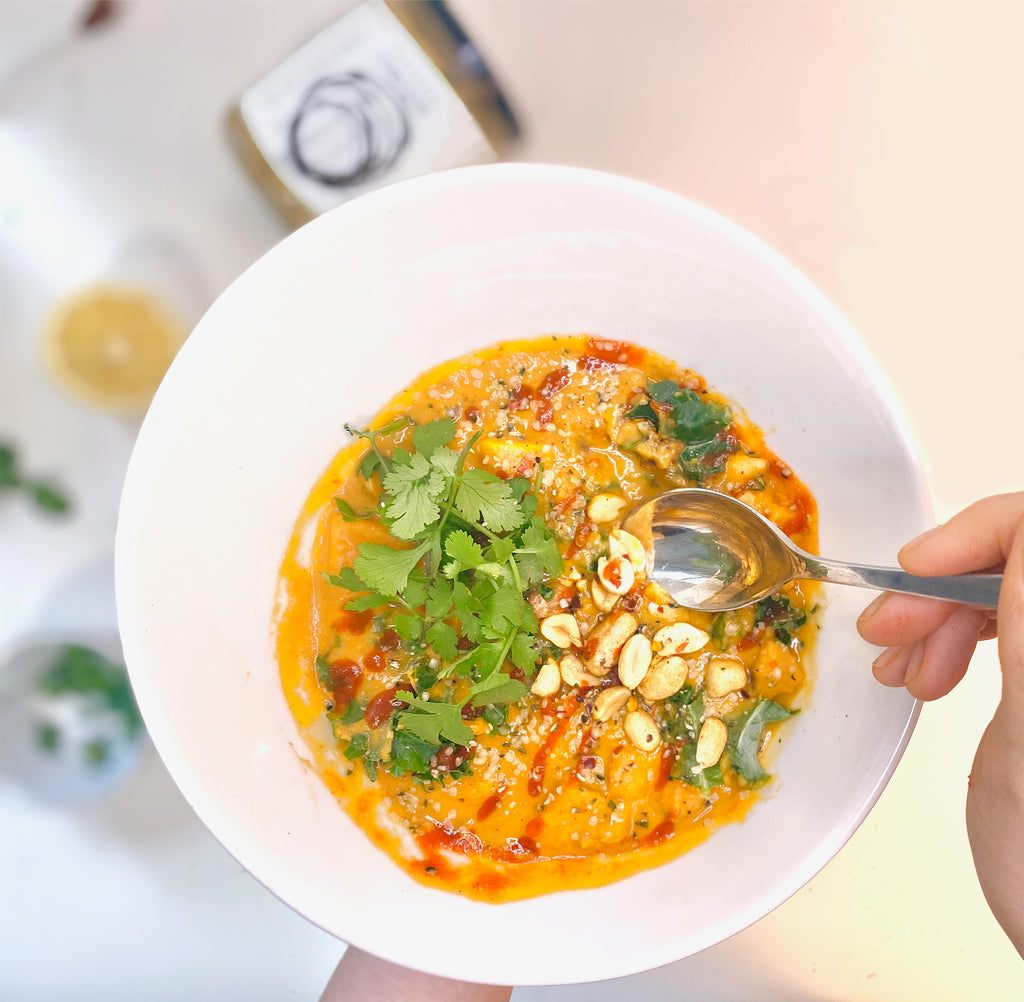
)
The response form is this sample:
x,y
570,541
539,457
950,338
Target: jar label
x,y
359,106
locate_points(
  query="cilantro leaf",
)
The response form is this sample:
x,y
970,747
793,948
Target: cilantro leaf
x,y
357,746
469,608
323,673
386,569
508,605
411,754
537,553
464,551
439,598
408,627
428,437
522,652
483,496
443,638
353,712
370,600
433,720
347,578
495,715
446,461
497,688
415,490
348,513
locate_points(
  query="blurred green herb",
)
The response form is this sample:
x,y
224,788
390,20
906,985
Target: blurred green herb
x,y
86,672
42,493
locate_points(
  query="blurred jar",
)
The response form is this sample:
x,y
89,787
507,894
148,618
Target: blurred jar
x,y
70,730
389,91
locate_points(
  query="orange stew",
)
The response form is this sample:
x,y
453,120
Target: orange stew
x,y
467,637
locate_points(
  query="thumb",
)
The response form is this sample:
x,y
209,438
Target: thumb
x,y
1011,628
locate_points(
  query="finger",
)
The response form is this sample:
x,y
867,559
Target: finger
x,y
893,620
932,666
945,654
976,539
1011,621
891,666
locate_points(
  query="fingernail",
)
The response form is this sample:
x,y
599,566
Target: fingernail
x,y
914,664
886,658
873,608
917,540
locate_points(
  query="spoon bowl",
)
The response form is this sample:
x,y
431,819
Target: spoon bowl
x,y
714,553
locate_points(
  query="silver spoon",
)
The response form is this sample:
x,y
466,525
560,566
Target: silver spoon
x,y
712,552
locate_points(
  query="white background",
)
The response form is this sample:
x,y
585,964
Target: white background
x,y
875,145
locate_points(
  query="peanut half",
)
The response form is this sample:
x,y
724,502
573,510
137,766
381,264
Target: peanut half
x,y
601,651
634,660
605,507
562,630
665,678
711,742
724,675
616,574
642,731
604,600
608,702
679,638
622,543
548,680
573,672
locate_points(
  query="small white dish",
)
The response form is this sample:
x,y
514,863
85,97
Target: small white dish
x,y
325,329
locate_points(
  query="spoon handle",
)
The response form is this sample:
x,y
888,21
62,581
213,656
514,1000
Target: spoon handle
x,y
980,590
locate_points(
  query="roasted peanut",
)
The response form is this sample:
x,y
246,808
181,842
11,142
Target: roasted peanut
x,y
605,507
548,680
562,630
679,638
602,647
711,742
664,678
724,675
641,729
615,574
622,543
608,702
739,468
604,600
634,660
573,672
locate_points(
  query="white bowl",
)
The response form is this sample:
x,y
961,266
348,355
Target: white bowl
x,y
325,329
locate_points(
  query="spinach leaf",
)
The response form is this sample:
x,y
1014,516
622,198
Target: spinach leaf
x,y
745,738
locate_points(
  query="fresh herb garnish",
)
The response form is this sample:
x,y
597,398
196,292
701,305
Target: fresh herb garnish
x,y
470,546
682,728
778,613
745,733
693,419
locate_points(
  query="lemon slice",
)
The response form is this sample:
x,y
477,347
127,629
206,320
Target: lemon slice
x,y
110,347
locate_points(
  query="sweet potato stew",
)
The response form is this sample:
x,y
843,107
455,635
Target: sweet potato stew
x,y
484,675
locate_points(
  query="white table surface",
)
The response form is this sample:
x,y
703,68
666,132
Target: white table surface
x,y
876,145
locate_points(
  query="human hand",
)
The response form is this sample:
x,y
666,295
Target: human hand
x,y
929,646
361,977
